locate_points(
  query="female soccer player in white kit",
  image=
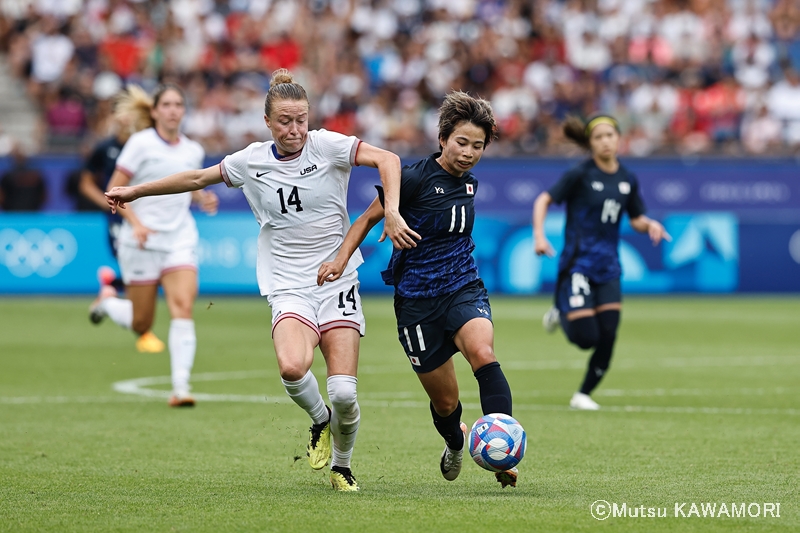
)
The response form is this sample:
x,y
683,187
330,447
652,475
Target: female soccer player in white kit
x,y
158,239
296,186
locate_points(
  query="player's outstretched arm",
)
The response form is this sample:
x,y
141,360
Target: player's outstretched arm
x,y
653,228
189,180
332,270
388,165
540,243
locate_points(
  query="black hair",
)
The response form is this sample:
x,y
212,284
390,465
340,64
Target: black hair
x,y
459,107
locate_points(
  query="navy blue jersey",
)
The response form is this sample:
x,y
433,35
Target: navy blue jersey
x,y
595,202
102,162
441,208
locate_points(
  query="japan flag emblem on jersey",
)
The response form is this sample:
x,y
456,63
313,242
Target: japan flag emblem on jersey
x,y
470,189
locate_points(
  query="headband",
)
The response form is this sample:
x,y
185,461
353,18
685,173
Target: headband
x,y
601,120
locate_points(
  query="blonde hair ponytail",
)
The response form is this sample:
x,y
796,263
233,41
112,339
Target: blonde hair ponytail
x,y
133,106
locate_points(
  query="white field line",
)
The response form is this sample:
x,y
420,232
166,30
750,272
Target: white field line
x,y
136,390
567,363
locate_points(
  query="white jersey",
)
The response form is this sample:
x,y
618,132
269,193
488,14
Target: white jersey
x,y
300,204
148,157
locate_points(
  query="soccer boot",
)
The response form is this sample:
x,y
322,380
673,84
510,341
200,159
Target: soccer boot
x,y
96,313
551,320
149,343
450,463
583,402
182,400
319,444
342,479
507,477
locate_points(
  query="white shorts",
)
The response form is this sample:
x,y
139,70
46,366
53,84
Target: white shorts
x,y
334,305
145,267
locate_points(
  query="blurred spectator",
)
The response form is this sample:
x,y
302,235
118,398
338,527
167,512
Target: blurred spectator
x,y
783,101
22,188
753,58
65,117
669,69
51,50
761,132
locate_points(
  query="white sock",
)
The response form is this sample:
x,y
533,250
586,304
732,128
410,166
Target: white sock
x,y
119,310
182,345
305,393
345,416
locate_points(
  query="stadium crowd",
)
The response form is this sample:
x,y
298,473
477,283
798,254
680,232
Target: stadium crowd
x,y
682,76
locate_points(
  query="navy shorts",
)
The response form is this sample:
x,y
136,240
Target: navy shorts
x,y
576,291
426,326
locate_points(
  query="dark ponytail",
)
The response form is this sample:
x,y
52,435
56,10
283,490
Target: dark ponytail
x,y
579,131
575,130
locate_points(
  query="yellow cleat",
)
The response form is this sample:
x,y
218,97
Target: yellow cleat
x,y
319,444
342,479
149,343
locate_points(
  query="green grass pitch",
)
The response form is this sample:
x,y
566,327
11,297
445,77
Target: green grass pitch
x,y
700,406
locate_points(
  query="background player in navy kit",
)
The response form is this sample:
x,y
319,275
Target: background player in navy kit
x,y
95,175
588,296
440,303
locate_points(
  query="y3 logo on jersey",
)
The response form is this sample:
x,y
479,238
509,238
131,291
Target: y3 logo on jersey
x,y
439,190
305,171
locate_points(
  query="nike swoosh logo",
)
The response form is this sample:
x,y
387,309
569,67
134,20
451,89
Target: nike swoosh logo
x,y
259,174
348,314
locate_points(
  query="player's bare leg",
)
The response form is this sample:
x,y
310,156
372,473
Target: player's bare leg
x,y
294,347
442,388
475,340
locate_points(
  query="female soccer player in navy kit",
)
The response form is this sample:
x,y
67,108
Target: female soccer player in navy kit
x,y
588,295
441,304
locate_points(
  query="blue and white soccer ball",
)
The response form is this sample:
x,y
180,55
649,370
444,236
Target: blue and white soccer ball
x,y
497,442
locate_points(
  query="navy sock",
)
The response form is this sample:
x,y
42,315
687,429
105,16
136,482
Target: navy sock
x,y
449,427
608,321
494,389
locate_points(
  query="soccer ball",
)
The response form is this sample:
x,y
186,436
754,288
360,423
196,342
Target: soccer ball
x,y
497,442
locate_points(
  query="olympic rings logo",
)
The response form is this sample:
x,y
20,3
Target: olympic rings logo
x,y
37,252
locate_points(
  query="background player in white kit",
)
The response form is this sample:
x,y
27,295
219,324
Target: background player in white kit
x,y
158,239
296,186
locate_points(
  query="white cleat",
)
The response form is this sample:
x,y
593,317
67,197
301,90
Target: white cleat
x,y
583,402
450,464
551,320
